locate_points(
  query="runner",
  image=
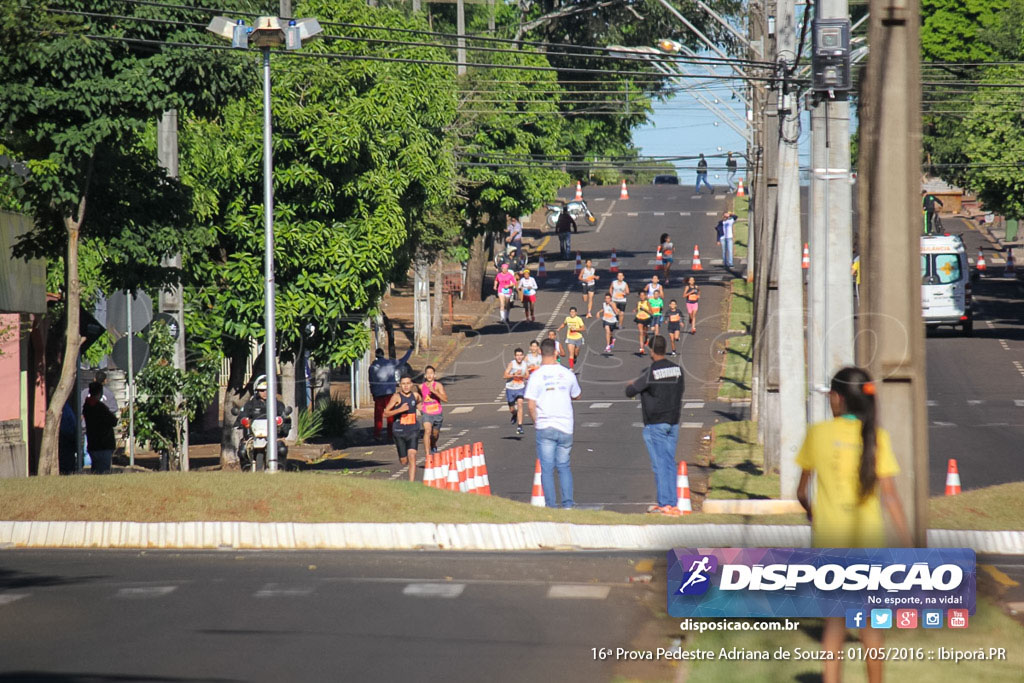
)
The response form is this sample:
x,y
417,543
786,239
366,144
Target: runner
x,y
559,349
574,335
665,249
528,288
406,403
642,320
610,317
432,393
675,319
692,295
533,358
619,289
654,287
589,278
516,373
504,283
656,303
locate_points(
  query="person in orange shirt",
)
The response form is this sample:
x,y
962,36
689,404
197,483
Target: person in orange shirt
x,y
665,250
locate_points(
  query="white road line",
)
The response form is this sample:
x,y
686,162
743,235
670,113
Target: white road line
x,y
684,213
277,590
578,592
638,425
600,224
462,409
600,405
1018,402
488,427
719,196
434,590
692,425
716,278
503,409
710,213
974,402
8,598
632,214
931,404
696,196
146,592
591,425
695,404
943,424
659,213
598,199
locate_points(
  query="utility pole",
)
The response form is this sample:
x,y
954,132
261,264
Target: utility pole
x,y
757,44
460,28
830,291
286,9
787,318
892,347
172,301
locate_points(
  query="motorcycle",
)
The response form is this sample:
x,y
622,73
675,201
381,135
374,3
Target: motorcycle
x,y
517,259
577,208
255,430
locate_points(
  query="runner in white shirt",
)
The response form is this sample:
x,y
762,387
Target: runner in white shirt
x,y
588,280
654,288
516,373
619,289
610,317
528,288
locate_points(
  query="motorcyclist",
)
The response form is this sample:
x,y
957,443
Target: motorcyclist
x,y
562,227
256,409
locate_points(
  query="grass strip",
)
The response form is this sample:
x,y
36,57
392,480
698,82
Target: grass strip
x,y
741,306
736,375
741,230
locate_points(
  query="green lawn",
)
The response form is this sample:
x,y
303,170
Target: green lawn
x,y
736,375
741,230
741,306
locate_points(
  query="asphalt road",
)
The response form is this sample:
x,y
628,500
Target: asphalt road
x,y
104,616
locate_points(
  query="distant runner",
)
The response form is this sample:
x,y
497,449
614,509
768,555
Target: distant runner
x,y
533,358
642,320
619,289
528,288
504,283
692,295
665,251
573,335
432,393
610,317
674,317
654,288
588,280
515,387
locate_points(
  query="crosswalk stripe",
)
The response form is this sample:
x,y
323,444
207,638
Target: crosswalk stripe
x,y
146,591
462,409
710,213
692,425
695,404
591,425
277,590
434,590
659,213
8,598
600,405
579,592
684,213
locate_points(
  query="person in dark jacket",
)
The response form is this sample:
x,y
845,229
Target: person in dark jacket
x,y
256,409
99,428
384,373
660,388
563,226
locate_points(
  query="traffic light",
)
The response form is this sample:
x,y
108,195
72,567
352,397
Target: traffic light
x,y
830,56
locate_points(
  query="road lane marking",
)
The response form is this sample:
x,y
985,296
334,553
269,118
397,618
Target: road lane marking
x,y
632,214
591,425
502,409
638,425
8,598
600,405
277,590
695,404
146,592
696,196
600,224
578,592
684,213
1018,402
659,213
434,590
943,424
974,402
716,278
710,213
462,409
931,404
692,425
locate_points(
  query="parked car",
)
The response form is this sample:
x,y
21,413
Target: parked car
x,y
666,179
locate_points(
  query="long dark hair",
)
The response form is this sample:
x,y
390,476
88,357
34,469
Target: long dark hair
x,y
857,390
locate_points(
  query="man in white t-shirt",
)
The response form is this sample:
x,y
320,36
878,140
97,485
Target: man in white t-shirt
x,y
725,238
550,392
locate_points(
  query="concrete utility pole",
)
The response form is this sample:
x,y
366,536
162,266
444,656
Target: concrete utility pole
x,y
757,197
891,345
787,319
830,292
172,301
460,28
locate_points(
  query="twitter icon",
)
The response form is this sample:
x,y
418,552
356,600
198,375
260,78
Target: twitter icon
x,y
881,618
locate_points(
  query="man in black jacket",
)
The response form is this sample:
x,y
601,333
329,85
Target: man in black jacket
x,y
256,409
661,394
99,429
565,223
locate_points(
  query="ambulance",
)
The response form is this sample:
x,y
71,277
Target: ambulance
x,y
945,283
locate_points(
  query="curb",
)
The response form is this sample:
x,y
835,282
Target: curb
x,y
429,536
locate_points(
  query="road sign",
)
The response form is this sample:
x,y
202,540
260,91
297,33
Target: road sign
x,y
167,319
117,312
140,354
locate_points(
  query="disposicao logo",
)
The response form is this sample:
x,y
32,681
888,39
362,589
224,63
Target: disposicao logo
x,y
821,582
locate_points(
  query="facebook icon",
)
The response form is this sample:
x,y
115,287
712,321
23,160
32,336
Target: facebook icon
x,y
855,618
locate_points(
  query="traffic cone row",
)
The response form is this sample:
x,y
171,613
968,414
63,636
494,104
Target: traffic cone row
x,y
696,259
981,261
537,497
624,193
614,267
579,191
579,264
952,479
739,190
542,271
683,490
1010,265
462,469
805,262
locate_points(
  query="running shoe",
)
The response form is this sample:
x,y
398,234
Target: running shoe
x,y
519,430
672,353
608,348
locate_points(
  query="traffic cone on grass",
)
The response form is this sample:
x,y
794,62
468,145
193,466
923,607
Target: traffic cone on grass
x,y
952,479
537,497
428,471
683,490
739,190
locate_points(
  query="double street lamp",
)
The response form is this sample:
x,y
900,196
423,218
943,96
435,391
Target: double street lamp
x,y
267,33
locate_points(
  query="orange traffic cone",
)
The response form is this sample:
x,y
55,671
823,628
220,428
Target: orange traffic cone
x,y
614,267
1010,265
658,262
683,490
484,486
472,469
952,479
428,471
460,466
696,259
452,483
542,271
537,498
981,261
439,473
805,262
579,264
579,191
624,193
739,190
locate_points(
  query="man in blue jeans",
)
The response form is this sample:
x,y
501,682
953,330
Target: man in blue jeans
x,y
550,392
661,394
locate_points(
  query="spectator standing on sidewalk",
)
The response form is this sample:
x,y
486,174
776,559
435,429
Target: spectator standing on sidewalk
x,y
660,388
550,392
99,427
384,374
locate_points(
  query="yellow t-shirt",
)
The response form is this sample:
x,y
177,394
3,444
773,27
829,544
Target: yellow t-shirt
x,y
575,326
840,520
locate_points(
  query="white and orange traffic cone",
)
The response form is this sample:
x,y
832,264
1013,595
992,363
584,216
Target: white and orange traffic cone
x,y
805,262
614,267
952,479
1010,265
472,469
980,265
696,259
439,473
739,190
683,490
428,471
579,191
537,497
542,271
452,483
463,469
579,264
624,193
658,262
484,487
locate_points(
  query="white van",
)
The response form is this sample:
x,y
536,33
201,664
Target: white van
x,y
945,283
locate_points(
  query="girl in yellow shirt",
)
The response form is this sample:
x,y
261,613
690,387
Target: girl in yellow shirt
x,y
853,466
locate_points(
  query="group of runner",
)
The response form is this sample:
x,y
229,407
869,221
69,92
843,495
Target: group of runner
x,y
507,283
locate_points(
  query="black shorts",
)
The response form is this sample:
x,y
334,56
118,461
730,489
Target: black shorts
x,y
675,327
405,443
613,325
588,287
638,321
